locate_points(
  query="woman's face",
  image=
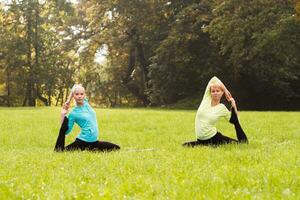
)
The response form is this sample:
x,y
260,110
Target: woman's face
x,y
216,92
79,95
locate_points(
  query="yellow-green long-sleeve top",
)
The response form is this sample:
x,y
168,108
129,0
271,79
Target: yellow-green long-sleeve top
x,y
207,115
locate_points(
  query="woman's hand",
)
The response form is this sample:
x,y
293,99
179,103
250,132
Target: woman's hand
x,y
226,92
232,101
65,109
67,105
69,99
228,95
233,104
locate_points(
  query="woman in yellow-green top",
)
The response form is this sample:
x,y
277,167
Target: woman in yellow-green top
x,y
210,111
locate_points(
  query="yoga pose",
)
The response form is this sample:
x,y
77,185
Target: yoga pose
x,y
84,115
210,111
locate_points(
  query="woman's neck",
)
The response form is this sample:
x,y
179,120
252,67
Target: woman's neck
x,y
79,104
215,102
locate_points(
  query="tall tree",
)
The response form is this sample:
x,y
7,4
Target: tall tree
x,y
184,59
260,41
37,47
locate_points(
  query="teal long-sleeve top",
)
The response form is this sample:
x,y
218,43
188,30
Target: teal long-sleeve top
x,y
207,115
86,119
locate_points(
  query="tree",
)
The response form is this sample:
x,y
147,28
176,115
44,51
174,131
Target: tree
x,y
139,33
260,41
36,50
297,8
186,58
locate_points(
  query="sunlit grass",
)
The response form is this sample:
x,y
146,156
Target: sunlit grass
x,y
267,168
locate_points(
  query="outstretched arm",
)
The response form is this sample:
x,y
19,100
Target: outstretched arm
x,y
66,106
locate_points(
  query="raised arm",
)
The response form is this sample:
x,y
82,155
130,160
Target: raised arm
x,y
71,119
64,111
226,91
66,106
70,97
233,104
229,97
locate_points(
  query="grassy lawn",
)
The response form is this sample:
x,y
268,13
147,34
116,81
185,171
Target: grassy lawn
x,y
267,168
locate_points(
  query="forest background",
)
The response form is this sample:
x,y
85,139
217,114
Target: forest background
x,y
151,52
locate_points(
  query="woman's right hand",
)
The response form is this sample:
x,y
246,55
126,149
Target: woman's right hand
x,y
65,109
67,105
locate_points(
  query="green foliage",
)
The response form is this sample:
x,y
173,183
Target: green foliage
x,y
260,41
266,168
37,51
156,52
185,44
297,8
185,57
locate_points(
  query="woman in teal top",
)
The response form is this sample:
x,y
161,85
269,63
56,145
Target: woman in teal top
x,y
83,115
210,111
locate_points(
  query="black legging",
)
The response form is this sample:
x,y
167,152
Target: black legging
x,y
79,144
219,139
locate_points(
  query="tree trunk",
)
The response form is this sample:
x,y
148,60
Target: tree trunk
x,y
8,86
43,99
136,49
36,85
60,95
143,62
30,80
49,95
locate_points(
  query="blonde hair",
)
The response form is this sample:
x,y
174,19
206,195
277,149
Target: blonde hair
x,y
216,84
76,87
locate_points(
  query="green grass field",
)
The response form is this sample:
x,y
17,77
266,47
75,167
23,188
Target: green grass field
x,y
267,168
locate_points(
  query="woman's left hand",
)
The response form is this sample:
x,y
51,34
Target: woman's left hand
x,y
228,95
232,101
226,92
